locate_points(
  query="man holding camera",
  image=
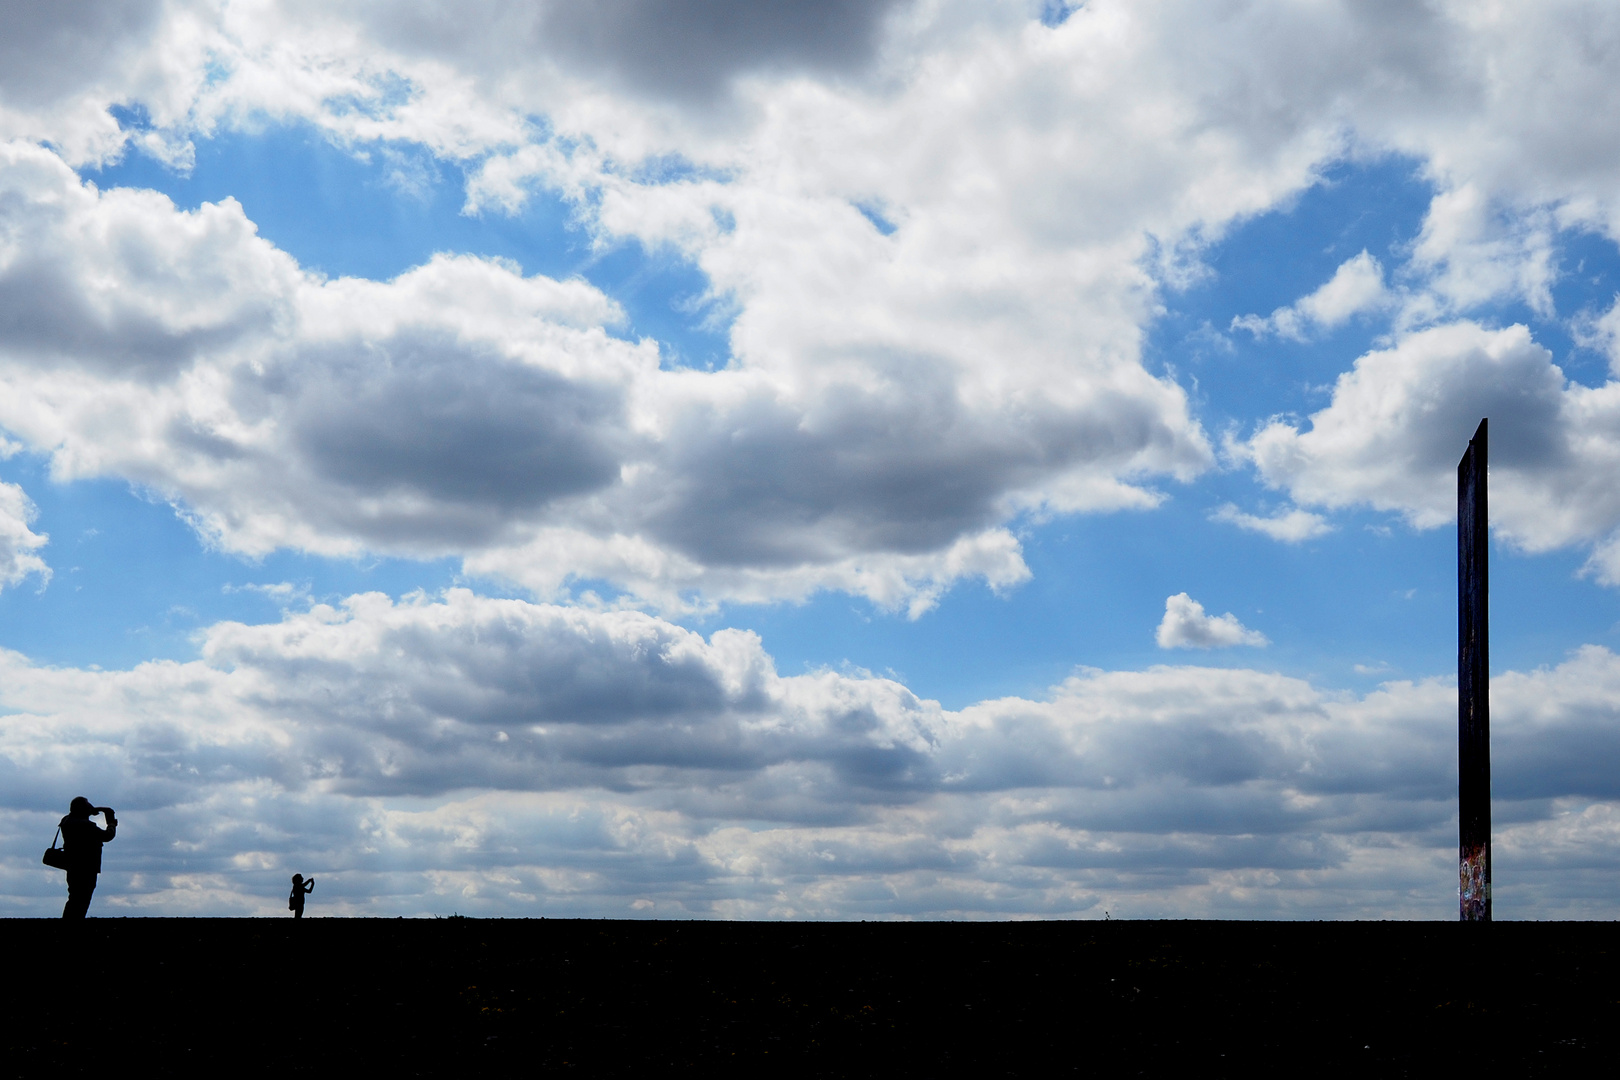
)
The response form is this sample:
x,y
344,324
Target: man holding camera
x,y
81,844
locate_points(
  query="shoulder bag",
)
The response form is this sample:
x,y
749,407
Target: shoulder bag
x,y
55,856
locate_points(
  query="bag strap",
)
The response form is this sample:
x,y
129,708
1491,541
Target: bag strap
x,y
57,837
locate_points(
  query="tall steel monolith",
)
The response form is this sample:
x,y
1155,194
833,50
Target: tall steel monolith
x,y
1473,685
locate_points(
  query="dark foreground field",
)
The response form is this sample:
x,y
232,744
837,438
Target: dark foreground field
x,y
464,997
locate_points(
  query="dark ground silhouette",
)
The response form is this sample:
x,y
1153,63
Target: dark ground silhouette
x,y
467,997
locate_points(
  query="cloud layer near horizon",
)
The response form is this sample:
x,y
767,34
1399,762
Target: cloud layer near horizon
x,y
502,756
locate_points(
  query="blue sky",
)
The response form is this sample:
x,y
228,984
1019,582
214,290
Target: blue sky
x,y
846,475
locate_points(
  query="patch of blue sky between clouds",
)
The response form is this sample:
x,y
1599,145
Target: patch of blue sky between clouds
x,y
1383,599
377,210
875,215
131,117
388,91
1588,284
1276,258
1364,605
1057,12
133,582
1270,262
674,169
1543,607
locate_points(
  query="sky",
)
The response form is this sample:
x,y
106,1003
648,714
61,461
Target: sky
x,y
863,459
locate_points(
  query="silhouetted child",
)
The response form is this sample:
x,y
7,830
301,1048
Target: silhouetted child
x,y
300,889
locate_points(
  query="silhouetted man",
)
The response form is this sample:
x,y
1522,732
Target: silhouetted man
x,y
81,844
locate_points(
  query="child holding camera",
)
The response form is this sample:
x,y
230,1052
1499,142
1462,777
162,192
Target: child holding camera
x,y
300,889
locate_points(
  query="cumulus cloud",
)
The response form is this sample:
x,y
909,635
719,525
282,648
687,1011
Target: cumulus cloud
x,y
471,692
1463,89
64,66
499,756
693,47
466,409
51,51
984,360
19,544
1473,251
1357,286
180,350
281,592
1399,421
1186,626
1601,332
1604,563
1290,526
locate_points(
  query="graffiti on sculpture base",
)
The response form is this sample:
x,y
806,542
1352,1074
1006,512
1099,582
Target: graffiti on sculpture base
x,y
1474,884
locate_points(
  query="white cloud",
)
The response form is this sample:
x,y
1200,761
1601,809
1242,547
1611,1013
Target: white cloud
x,y
282,592
984,357
501,757
687,49
1291,526
465,409
18,543
1502,106
1604,563
1602,333
1400,420
1186,626
63,64
1473,251
1356,287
